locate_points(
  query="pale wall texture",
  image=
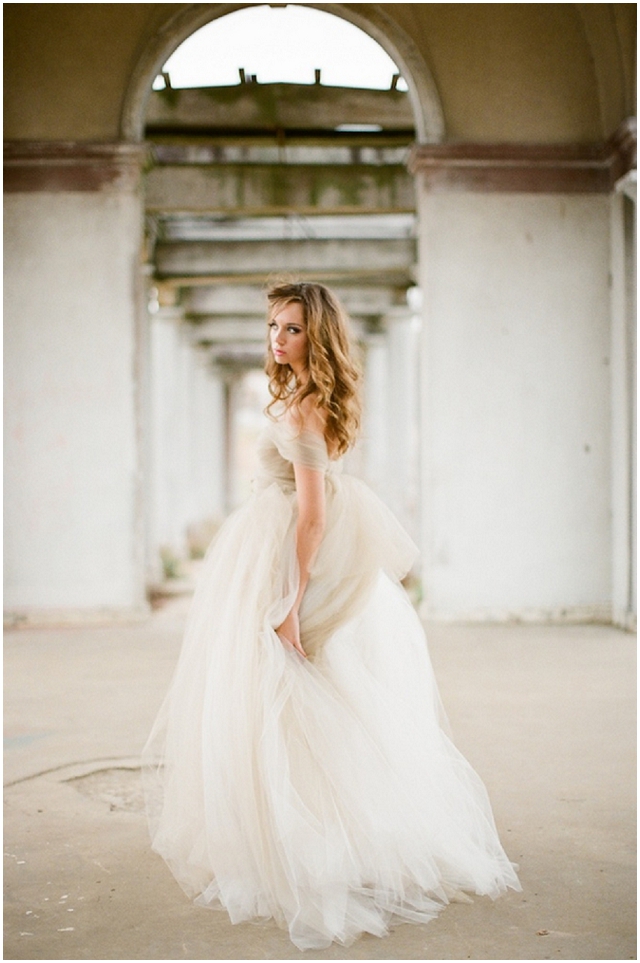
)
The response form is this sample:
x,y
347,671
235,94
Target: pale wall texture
x,y
71,466
516,420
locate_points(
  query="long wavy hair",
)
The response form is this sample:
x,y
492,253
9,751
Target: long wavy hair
x,y
334,377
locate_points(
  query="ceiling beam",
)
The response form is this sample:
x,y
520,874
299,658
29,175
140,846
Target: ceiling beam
x,y
250,301
280,106
272,189
256,261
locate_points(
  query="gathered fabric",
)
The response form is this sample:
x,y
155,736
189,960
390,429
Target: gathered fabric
x,y
324,793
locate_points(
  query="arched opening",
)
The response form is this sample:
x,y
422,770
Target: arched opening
x,y
423,95
287,43
251,180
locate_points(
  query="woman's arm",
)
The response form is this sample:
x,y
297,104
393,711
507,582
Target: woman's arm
x,y
309,532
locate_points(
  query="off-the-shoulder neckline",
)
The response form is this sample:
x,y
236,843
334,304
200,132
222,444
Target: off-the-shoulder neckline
x,y
297,433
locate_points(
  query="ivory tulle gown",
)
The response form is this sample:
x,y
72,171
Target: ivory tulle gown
x,y
323,792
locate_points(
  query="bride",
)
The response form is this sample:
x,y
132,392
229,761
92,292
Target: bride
x,y
301,769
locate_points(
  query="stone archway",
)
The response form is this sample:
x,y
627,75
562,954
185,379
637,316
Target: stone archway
x,y
425,101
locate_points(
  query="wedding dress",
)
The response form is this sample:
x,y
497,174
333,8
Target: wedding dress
x,y
323,793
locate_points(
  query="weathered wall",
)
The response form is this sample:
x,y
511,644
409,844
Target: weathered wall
x,y
507,71
516,497
72,532
65,67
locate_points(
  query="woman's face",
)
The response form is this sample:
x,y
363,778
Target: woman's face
x,y
288,337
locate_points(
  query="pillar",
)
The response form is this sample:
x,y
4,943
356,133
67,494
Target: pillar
x,y
515,387
186,488
623,401
74,542
402,329
207,459
375,437
168,447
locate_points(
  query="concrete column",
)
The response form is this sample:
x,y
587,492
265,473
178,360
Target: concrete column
x,y
402,416
148,305
623,401
74,544
375,436
168,448
207,423
188,457
515,412
183,443
233,385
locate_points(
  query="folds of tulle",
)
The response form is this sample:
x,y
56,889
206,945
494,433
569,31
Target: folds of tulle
x,y
280,446
323,793
301,447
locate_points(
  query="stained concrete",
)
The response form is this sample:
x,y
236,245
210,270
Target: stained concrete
x,y
545,714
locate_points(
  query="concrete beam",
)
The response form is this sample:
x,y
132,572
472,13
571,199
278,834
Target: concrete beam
x,y
388,261
268,107
231,331
355,148
267,189
289,227
249,300
247,334
238,357
225,300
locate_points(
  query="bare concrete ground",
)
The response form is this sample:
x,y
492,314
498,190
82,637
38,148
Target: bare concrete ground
x,y
545,714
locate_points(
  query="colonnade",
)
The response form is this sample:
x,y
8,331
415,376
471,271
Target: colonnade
x,y
525,374
195,475
520,453
186,478
391,441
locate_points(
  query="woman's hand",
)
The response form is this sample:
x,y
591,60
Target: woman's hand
x,y
289,631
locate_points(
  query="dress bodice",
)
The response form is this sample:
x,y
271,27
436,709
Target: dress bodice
x,y
280,446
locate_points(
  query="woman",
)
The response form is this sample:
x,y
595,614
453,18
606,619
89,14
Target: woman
x,y
306,776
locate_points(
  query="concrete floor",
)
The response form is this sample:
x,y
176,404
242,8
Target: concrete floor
x,y
545,714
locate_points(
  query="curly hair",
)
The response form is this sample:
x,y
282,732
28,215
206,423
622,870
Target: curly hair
x,y
334,378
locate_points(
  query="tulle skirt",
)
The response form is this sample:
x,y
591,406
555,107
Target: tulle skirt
x,y
323,793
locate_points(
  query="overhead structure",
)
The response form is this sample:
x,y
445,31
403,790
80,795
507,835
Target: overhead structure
x,y
251,182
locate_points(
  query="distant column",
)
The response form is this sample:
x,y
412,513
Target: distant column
x,y
402,416
169,449
188,457
374,434
207,454
234,494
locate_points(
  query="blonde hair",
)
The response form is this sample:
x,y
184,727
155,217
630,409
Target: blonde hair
x,y
333,384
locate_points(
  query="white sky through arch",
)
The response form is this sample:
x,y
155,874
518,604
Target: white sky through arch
x,y
281,44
